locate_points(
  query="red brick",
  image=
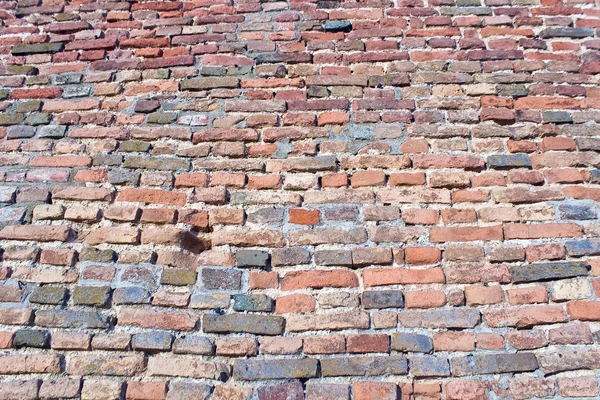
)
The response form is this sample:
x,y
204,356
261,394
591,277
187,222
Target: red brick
x,y
366,343
146,390
375,390
422,255
318,279
296,303
304,217
330,344
454,341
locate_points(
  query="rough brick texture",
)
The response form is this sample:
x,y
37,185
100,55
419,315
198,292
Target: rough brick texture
x,y
299,199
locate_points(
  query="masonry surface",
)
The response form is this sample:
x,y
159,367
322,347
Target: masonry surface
x,y
303,199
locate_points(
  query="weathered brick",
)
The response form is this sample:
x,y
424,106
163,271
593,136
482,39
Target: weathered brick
x,y
364,366
494,364
252,370
249,323
547,271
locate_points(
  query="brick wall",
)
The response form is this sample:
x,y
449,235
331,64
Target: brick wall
x,y
302,199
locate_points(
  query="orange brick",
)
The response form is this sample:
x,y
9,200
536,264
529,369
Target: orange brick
x,y
304,217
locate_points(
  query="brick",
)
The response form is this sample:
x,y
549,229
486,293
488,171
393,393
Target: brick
x,y
249,323
322,391
411,342
545,271
290,390
494,363
429,366
453,318
364,366
94,389
188,390
60,388
335,321
582,386
331,344
382,299
393,276
374,390
251,370
584,310
178,365
295,303
29,364
148,318
19,389
440,235
526,316
465,389
36,233
71,319
318,279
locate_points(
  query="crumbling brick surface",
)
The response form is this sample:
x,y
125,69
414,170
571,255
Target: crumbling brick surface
x,y
299,199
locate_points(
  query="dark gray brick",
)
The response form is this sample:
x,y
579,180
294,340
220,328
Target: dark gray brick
x,y
28,106
547,271
221,278
161,118
557,117
579,211
194,344
31,338
71,319
429,366
583,247
500,161
595,175
289,58
383,299
97,255
66,79
494,364
364,366
48,295
337,26
290,256
20,132
556,32
210,301
123,177
146,106
411,342
131,295
36,48
333,257
252,258
134,146
209,83
254,370
37,119
266,215
91,295
152,341
588,143
252,302
10,119
248,323
52,131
